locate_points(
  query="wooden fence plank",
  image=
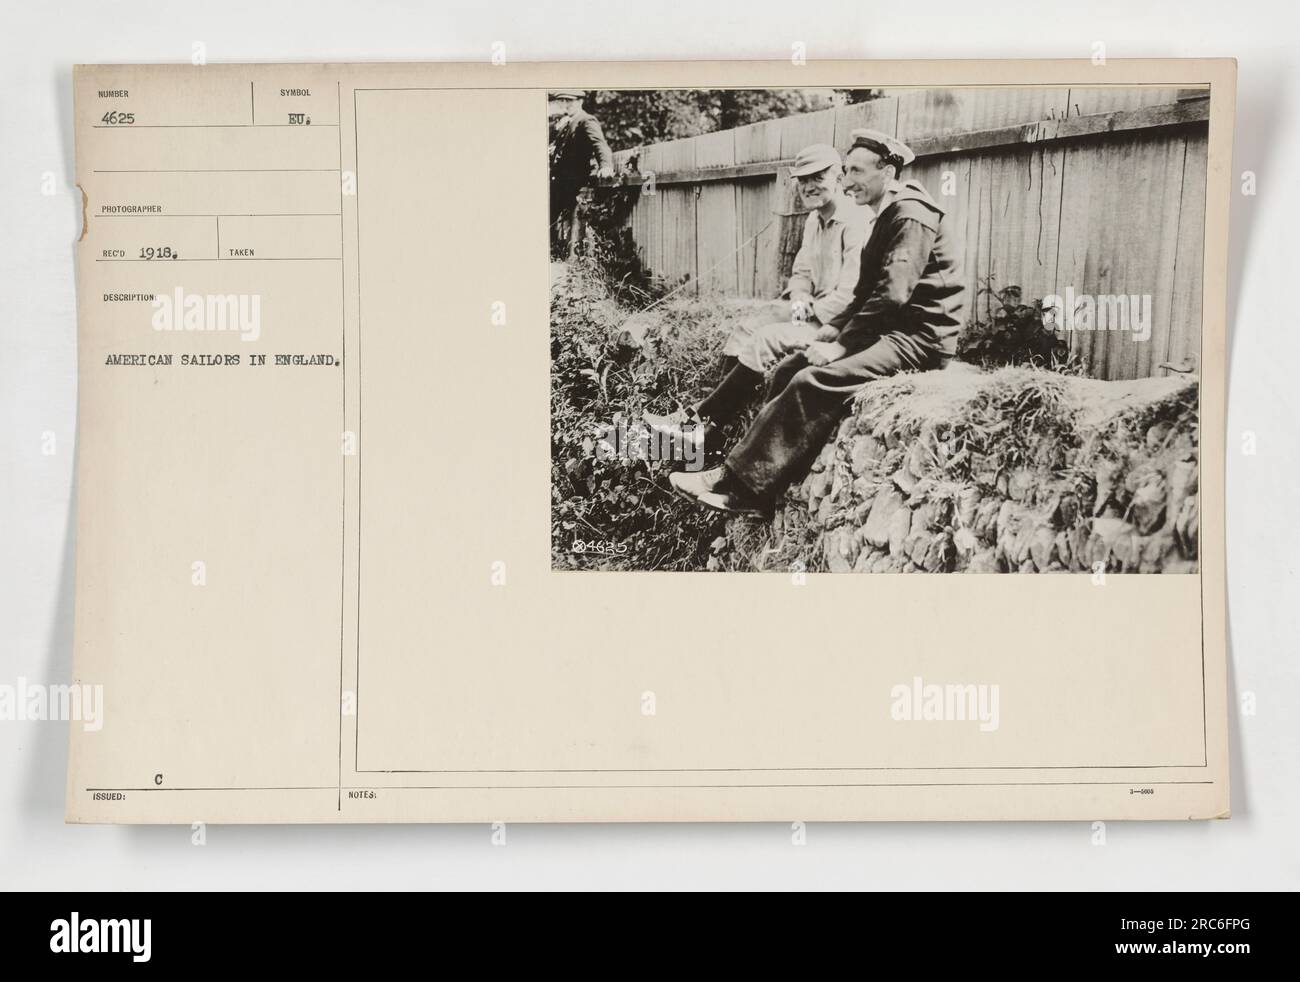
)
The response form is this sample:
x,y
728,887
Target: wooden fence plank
x,y
875,114
621,157
652,206
715,210
1115,242
759,270
678,211
1115,98
1165,160
979,257
759,142
1185,322
927,114
1019,218
993,108
934,112
806,129
755,204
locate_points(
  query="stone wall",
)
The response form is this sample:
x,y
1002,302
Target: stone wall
x,y
1015,470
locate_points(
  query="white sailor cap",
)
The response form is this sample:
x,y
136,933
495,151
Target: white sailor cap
x,y
893,150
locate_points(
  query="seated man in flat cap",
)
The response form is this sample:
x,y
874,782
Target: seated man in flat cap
x,y
822,279
907,309
577,146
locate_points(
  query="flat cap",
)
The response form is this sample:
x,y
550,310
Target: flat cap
x,y
883,144
814,159
569,94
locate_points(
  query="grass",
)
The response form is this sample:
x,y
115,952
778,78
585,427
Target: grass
x,y
597,379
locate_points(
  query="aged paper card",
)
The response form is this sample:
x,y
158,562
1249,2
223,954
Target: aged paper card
x,y
424,409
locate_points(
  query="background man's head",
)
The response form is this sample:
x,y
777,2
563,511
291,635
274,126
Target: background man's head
x,y
570,100
818,174
873,163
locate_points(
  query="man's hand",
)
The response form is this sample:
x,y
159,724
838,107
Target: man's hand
x,y
824,352
801,309
827,333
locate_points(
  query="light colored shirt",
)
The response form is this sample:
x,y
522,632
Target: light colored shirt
x,y
827,265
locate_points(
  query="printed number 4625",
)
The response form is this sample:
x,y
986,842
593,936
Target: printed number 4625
x,y
116,118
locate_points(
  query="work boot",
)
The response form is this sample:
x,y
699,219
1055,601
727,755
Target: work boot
x,y
716,490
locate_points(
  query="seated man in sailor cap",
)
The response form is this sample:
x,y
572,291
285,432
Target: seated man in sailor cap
x,y
907,308
822,279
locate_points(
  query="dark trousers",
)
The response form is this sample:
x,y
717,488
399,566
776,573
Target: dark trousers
x,y
804,404
563,198
736,390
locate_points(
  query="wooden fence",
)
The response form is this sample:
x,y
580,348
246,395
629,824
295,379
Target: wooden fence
x,y
1100,189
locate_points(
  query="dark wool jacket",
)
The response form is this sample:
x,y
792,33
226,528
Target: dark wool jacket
x,y
911,280
578,140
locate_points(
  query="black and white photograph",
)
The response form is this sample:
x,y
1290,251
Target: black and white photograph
x,y
877,330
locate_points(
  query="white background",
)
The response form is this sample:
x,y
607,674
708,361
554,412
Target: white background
x,y
1257,849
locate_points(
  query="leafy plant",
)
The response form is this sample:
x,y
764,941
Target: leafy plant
x,y
1017,333
609,249
612,249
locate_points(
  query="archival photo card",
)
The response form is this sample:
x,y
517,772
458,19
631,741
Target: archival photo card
x,y
495,443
